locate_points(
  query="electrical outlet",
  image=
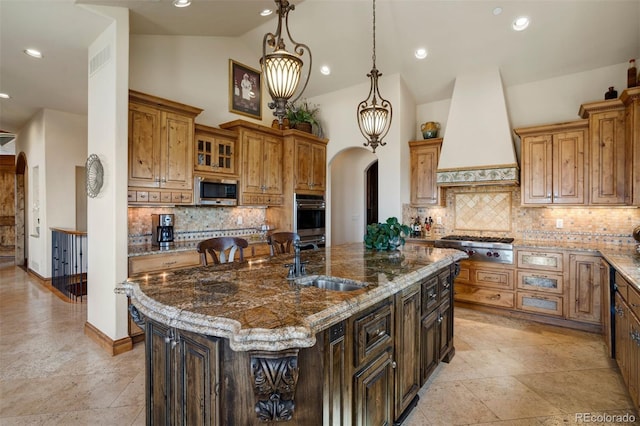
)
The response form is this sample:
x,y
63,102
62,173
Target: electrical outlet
x,y
239,220
559,223
438,220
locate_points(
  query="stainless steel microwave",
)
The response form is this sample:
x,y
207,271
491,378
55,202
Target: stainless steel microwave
x,y
215,192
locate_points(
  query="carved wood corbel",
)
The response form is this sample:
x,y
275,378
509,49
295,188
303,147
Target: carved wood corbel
x,y
274,376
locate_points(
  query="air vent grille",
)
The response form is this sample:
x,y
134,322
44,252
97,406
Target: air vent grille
x,y
99,60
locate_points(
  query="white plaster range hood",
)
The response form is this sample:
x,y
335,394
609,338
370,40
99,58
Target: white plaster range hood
x,y
477,147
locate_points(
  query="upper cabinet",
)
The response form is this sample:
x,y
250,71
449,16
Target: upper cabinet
x,y
215,151
553,163
424,156
608,148
631,100
261,163
307,164
160,168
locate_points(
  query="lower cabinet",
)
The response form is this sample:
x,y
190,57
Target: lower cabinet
x,y
627,335
364,370
407,348
373,392
436,337
182,377
584,288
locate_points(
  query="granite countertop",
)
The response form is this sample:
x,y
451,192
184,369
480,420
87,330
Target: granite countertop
x,y
257,308
627,264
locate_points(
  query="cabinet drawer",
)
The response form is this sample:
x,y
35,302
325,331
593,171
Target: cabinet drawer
x,y
495,278
142,196
622,286
165,197
547,261
163,262
537,281
373,333
154,196
471,293
538,303
634,301
465,273
444,284
429,294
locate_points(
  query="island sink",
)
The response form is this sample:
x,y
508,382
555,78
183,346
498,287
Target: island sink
x,y
331,283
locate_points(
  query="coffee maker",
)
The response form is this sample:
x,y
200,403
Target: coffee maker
x,y
162,230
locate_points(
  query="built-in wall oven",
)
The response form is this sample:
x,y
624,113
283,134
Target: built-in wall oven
x,y
309,218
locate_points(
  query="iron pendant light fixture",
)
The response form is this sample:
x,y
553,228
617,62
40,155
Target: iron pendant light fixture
x,y
282,69
374,113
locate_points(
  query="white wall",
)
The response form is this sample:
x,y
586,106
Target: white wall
x,y
65,148
193,71
548,101
107,213
55,142
348,202
31,140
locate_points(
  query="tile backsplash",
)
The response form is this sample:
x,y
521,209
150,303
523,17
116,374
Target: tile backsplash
x,y
490,211
197,222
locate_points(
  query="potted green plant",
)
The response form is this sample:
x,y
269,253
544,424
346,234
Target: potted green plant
x,y
386,236
304,116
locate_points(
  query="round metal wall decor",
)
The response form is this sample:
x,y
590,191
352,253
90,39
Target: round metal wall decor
x,y
95,174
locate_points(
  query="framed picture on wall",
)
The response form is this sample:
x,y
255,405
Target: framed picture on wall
x,y
245,90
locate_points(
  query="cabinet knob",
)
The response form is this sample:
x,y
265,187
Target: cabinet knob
x,y
549,195
393,364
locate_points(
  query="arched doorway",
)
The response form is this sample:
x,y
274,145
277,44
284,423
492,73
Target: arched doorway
x,y
349,194
21,249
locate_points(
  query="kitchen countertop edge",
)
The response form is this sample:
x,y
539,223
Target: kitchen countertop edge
x,y
282,338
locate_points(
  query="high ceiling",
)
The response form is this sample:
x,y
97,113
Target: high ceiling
x,y
564,37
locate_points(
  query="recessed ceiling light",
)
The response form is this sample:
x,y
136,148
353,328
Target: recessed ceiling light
x,y
521,23
497,11
266,12
4,95
325,70
33,53
181,3
421,53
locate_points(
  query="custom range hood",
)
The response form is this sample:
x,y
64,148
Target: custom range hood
x,y
477,147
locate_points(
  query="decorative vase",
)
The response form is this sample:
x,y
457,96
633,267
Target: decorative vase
x,y
430,129
611,94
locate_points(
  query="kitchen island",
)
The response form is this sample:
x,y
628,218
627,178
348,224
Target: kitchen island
x,y
242,344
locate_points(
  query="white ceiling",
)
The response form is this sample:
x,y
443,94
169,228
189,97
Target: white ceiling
x,y
565,36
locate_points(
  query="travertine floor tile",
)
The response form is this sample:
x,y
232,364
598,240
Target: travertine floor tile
x,y
506,371
510,399
453,404
581,390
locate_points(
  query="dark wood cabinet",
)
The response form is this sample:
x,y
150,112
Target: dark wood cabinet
x,y
436,327
182,377
335,411
373,390
407,348
373,380
364,370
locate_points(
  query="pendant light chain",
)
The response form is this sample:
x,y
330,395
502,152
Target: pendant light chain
x,y
373,56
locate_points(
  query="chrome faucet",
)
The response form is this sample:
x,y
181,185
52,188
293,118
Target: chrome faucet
x,y
297,268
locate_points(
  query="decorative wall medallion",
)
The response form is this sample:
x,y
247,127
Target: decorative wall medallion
x,y
95,175
274,377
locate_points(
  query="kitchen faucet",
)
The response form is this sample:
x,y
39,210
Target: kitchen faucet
x,y
297,268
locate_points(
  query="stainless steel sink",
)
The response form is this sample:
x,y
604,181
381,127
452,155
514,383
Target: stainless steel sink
x,y
330,283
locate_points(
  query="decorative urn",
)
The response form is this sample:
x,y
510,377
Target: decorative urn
x,y
430,129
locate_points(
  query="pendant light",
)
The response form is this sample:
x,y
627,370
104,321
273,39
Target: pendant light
x,y
280,68
374,113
